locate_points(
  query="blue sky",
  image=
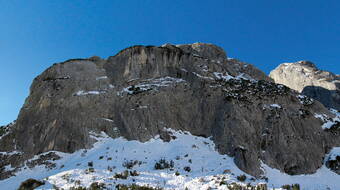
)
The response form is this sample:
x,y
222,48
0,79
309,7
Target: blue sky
x,y
35,34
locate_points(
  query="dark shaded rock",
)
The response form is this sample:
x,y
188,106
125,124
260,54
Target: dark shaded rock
x,y
330,98
334,165
30,184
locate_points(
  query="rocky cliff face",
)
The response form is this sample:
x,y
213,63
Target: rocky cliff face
x,y
144,90
306,78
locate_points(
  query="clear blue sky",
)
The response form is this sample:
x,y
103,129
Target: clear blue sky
x,y
35,34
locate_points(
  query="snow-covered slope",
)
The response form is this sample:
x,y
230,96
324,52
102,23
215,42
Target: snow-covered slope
x,y
208,169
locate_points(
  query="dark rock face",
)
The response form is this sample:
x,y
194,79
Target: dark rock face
x,y
306,78
329,98
141,91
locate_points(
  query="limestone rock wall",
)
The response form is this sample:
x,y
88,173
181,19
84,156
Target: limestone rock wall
x,y
143,90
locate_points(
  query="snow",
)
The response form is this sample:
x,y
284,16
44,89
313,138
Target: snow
x,y
328,122
333,153
208,167
320,116
275,106
4,135
101,78
150,84
302,70
204,68
106,119
200,76
166,44
305,100
205,163
301,96
92,92
226,77
335,112
323,179
272,106
11,153
223,76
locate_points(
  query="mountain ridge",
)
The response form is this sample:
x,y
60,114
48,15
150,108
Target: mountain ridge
x,y
143,90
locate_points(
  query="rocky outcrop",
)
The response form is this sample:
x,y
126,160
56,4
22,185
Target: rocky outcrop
x,y
143,90
306,78
334,165
30,184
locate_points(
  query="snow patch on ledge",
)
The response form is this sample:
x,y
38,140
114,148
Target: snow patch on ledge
x,y
150,84
226,77
275,106
108,120
271,106
102,78
92,92
223,76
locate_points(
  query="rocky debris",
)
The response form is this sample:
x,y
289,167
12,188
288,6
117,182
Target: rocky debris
x,y
332,160
9,163
305,77
142,90
44,159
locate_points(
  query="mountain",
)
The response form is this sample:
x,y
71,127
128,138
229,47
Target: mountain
x,y
189,108
306,78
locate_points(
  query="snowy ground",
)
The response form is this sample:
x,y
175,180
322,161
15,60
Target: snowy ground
x,y
208,167
329,122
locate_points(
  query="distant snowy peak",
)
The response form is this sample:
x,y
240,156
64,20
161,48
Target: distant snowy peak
x,y
306,78
307,69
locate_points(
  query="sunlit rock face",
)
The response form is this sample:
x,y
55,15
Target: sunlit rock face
x,y
143,90
306,78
